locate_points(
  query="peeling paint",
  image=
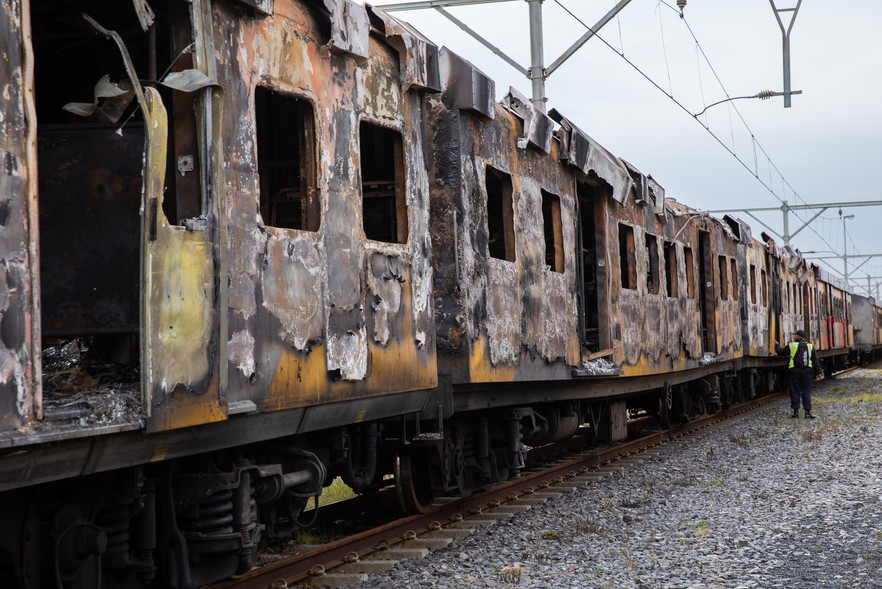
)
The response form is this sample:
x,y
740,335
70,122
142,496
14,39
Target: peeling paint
x,y
385,279
325,321
241,348
19,295
295,294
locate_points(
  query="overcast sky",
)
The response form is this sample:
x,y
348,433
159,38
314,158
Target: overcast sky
x,y
826,148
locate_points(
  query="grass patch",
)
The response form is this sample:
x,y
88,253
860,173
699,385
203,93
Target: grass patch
x,y
632,503
336,491
701,528
873,556
511,574
589,528
858,398
550,535
742,440
314,537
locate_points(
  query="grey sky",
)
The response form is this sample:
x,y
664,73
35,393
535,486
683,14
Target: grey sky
x,y
827,146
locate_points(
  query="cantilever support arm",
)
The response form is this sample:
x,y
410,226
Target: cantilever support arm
x,y
807,223
761,222
477,37
584,38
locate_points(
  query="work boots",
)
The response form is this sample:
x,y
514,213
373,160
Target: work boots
x,y
795,414
808,415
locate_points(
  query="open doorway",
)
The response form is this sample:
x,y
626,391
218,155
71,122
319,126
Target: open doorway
x,y
90,153
590,267
707,294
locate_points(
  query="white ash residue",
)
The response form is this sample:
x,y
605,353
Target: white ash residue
x,y
600,367
708,358
81,390
429,436
64,356
93,408
765,502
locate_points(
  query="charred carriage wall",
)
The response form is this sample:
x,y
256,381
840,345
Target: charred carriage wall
x,y
327,314
19,333
499,319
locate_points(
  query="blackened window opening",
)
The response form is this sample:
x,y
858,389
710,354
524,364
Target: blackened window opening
x,y
500,215
672,282
286,161
753,284
384,202
733,278
627,257
652,281
553,230
724,281
689,264
764,288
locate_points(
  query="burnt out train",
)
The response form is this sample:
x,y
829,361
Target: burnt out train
x,y
249,246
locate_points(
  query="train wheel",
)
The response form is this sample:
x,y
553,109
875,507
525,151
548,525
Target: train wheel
x,y
412,482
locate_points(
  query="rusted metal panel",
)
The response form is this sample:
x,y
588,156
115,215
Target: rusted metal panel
x,y
180,327
654,330
792,295
863,311
179,316
19,355
646,191
464,86
261,6
350,27
538,127
419,57
499,319
326,315
583,152
757,337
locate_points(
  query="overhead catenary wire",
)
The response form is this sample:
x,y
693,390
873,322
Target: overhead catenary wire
x,y
767,185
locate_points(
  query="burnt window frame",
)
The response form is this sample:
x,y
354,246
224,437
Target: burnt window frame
x,y
397,217
627,257
689,266
733,278
653,281
753,284
672,276
723,271
552,230
764,287
502,221
307,160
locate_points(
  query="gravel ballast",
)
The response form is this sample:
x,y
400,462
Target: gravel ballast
x,y
766,501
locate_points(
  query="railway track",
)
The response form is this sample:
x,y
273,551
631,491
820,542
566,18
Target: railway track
x,y
348,560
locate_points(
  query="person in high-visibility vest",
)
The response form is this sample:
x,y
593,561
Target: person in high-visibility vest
x,y
802,369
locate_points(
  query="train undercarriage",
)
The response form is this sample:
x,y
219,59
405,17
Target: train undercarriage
x,y
196,520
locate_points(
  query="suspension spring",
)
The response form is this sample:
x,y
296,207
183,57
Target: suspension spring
x,y
212,516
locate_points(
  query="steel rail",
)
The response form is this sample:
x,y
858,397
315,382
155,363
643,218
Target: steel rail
x,y
298,568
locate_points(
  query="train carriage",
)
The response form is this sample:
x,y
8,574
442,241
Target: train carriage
x,y
867,326
252,245
759,322
834,319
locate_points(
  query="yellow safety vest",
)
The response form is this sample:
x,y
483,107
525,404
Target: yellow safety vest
x,y
795,346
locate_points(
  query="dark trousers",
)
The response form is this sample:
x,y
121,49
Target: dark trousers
x,y
801,388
